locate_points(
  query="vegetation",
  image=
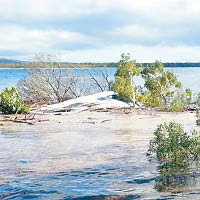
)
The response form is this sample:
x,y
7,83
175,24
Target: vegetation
x,y
174,148
177,153
198,117
6,63
10,102
179,102
123,83
159,84
48,83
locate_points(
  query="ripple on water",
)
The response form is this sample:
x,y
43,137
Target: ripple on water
x,y
108,166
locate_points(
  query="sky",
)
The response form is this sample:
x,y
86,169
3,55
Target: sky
x,y
101,30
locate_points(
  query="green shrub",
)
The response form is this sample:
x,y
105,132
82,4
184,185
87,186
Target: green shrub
x,y
198,117
174,148
197,100
178,102
10,102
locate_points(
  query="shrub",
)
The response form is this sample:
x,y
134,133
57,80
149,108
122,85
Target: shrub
x,y
198,117
179,101
174,148
10,102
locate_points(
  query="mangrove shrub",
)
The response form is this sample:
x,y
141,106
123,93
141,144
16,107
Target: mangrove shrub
x,y
174,148
10,102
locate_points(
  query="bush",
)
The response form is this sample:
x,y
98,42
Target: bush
x,y
10,102
198,117
179,102
174,148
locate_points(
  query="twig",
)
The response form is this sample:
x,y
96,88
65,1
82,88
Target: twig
x,y
106,120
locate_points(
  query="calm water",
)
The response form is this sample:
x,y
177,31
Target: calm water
x,y
91,163
190,76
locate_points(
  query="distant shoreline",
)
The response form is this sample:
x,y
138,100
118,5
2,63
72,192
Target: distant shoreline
x,y
62,65
94,67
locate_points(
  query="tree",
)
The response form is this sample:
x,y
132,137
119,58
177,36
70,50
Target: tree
x,y
123,83
100,80
160,84
48,83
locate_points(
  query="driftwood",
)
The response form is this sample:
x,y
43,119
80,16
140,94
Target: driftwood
x,y
101,110
17,121
26,119
106,120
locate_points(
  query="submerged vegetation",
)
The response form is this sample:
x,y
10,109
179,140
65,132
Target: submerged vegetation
x,y
175,148
178,155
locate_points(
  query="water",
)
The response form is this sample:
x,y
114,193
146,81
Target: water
x,y
92,163
190,76
89,163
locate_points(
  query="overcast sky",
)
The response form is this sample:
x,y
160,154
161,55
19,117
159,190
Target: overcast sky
x,y
100,30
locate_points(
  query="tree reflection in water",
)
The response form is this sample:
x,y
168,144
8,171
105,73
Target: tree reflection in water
x,y
175,180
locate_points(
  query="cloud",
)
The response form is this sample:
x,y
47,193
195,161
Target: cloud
x,y
30,26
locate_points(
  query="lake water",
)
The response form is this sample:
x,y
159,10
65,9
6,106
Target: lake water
x,y
190,76
92,163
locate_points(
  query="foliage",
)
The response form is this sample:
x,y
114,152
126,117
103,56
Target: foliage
x,y
123,83
197,100
160,85
174,148
10,102
179,101
198,117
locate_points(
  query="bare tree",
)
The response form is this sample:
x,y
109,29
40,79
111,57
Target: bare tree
x,y
48,83
100,79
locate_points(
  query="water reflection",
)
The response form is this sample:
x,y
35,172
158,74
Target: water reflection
x,y
176,179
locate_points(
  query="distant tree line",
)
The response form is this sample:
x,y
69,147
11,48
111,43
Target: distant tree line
x,y
94,65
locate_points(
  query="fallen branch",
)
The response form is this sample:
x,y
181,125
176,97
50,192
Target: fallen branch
x,y
17,121
106,120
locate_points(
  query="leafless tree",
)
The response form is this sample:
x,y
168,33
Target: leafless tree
x,y
100,79
48,83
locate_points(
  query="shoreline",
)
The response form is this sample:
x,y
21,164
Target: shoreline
x,y
143,120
